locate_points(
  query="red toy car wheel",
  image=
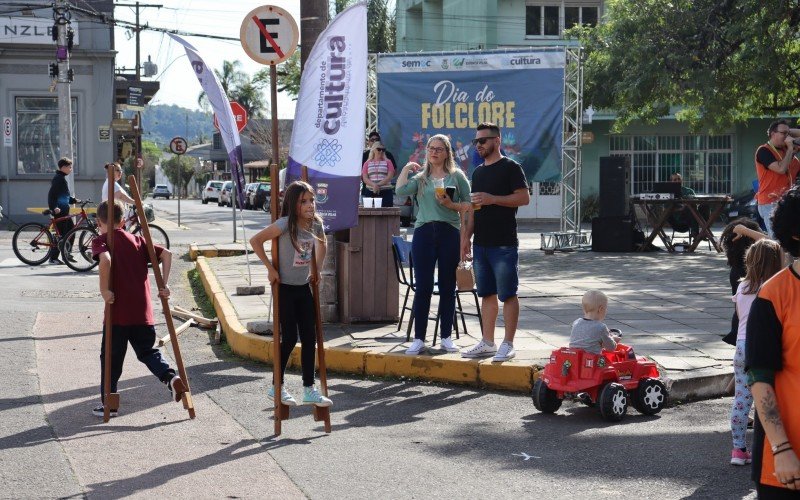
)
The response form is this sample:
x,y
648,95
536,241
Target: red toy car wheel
x,y
545,399
613,402
650,397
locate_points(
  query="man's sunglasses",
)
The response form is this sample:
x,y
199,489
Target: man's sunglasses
x,y
482,140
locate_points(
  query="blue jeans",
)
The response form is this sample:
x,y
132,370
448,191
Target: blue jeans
x,y
496,271
765,211
435,242
142,338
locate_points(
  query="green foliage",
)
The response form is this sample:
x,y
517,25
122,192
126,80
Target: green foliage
x,y
162,122
151,154
717,61
179,170
240,87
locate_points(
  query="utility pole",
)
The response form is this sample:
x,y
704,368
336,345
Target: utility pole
x,y
313,20
138,131
63,37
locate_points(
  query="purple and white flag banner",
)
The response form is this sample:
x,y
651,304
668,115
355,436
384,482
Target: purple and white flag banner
x,y
329,120
222,108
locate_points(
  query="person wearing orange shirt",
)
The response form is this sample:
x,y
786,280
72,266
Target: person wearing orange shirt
x,y
776,167
772,364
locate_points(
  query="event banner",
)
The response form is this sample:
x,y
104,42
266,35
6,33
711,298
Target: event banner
x,y
522,92
222,108
328,132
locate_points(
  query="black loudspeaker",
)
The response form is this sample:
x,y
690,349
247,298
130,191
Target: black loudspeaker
x,y
615,186
612,234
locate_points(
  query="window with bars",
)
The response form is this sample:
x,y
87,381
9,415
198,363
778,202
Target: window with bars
x,y
704,161
550,19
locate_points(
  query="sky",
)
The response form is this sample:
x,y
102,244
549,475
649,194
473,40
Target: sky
x,y
178,82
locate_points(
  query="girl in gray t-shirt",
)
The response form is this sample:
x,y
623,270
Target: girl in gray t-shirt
x,y
299,234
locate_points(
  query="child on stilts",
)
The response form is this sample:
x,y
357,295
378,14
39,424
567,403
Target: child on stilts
x,y
299,229
131,308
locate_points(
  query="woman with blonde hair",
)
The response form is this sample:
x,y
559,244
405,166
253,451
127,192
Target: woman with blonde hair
x,y
442,192
377,174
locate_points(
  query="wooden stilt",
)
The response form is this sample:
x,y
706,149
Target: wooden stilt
x,y
281,410
322,414
110,399
176,350
185,326
186,315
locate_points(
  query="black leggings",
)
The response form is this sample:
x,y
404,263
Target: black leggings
x,y
298,318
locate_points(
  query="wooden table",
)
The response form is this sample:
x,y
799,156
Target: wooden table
x,y
716,203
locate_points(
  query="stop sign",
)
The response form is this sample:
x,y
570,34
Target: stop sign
x,y
239,114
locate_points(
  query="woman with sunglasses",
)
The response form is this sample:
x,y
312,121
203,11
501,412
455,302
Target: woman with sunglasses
x,y
377,174
437,235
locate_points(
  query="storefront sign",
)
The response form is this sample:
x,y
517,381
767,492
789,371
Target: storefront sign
x,y
29,30
104,133
135,99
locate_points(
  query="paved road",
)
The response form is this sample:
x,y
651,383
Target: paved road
x,y
393,439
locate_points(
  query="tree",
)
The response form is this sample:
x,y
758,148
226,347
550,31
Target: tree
x,y
381,36
151,155
179,170
239,87
717,61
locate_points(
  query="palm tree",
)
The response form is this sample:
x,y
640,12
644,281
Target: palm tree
x,y
230,78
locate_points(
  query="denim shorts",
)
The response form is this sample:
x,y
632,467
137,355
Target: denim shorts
x,y
496,271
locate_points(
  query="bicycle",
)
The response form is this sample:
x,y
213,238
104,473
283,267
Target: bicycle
x,y
79,241
34,242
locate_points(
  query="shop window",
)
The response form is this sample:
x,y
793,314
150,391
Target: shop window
x,y
38,149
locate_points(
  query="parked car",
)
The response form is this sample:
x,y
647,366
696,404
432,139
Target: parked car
x,y
260,196
211,191
162,190
743,205
249,191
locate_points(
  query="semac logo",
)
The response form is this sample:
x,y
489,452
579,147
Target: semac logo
x,y
416,64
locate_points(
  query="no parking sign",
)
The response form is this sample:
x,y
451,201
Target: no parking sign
x,y
7,128
269,34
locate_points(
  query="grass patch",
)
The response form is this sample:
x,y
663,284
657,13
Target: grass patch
x,y
199,293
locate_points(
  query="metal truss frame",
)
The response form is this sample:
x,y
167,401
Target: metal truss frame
x,y
572,128
372,92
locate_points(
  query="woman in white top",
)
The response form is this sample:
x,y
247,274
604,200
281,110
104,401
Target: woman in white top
x,y
119,193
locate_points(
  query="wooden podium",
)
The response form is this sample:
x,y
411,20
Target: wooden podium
x,y
368,289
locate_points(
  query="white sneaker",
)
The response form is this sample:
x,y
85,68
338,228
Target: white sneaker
x,y
416,347
480,350
286,397
448,345
504,352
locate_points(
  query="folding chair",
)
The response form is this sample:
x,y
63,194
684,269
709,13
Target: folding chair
x,y
401,250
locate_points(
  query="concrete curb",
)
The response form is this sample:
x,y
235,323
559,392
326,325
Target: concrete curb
x,y
207,251
449,368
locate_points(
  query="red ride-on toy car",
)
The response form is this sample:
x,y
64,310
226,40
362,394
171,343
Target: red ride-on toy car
x,y
609,380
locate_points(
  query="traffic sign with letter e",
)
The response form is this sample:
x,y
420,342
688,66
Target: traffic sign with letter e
x,y
178,145
269,34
